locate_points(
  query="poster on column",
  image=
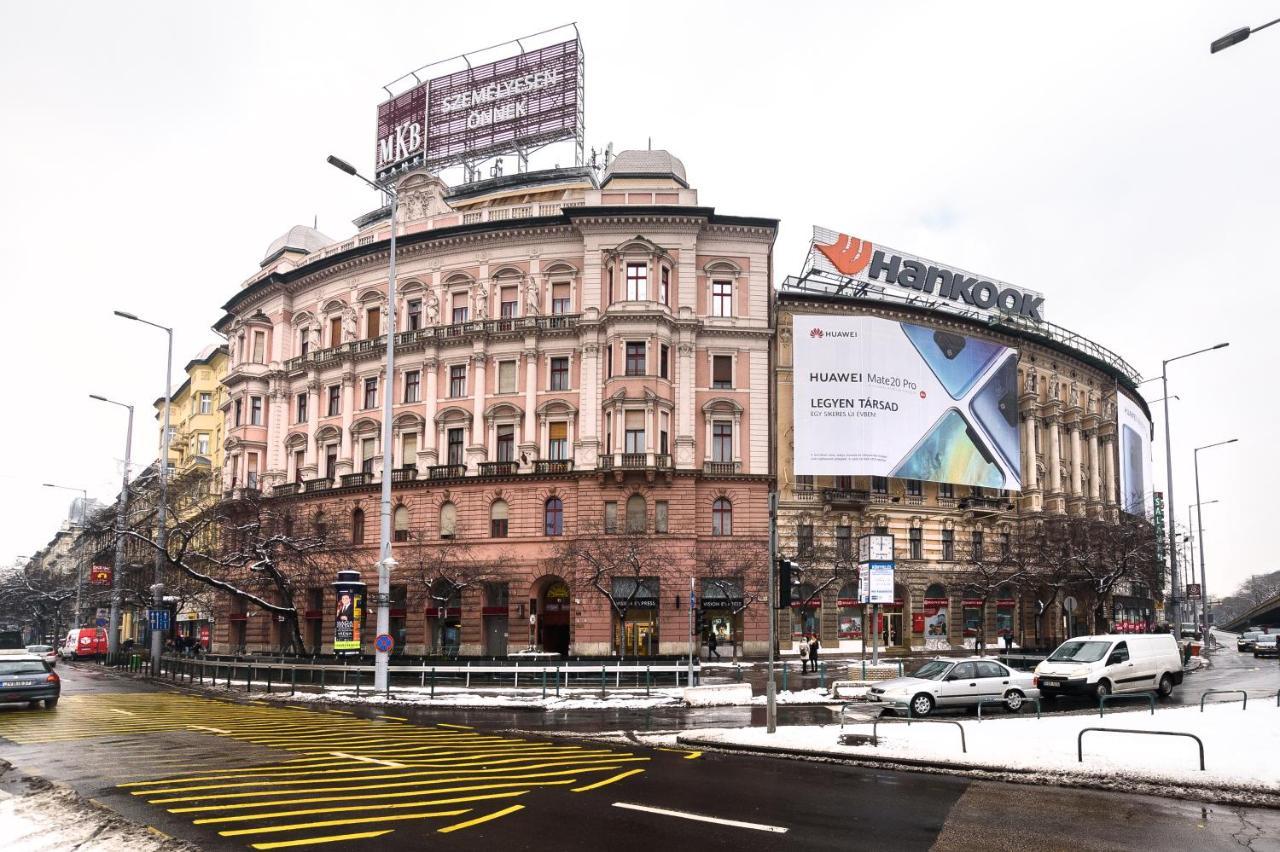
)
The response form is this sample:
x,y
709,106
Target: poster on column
x,y
1135,457
883,398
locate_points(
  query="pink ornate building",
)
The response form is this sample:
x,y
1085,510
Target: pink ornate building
x,y
574,355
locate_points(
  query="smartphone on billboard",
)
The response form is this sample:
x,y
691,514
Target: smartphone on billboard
x,y
1135,488
952,451
995,408
956,360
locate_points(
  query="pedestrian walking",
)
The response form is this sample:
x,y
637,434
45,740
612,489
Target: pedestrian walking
x,y
712,644
804,654
814,645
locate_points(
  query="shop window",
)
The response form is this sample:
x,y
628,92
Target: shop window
x,y
936,614
972,618
722,517
849,613
401,524
805,606
498,519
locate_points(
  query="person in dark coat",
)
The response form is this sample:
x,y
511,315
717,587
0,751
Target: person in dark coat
x,y
814,645
712,644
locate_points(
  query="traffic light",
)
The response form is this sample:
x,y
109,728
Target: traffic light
x,y
698,624
785,567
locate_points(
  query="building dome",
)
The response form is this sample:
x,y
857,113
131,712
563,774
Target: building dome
x,y
298,238
646,164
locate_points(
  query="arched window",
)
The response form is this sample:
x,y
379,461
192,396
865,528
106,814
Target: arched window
x,y
498,519
722,517
401,524
322,528
357,526
635,514
448,520
554,516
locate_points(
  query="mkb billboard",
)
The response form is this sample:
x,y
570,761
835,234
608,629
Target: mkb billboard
x,y
883,398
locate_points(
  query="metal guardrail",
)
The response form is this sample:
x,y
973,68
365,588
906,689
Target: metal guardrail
x,y
875,722
1002,701
1080,739
1209,692
1103,699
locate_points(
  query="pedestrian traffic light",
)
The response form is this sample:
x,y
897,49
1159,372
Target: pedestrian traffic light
x,y
785,567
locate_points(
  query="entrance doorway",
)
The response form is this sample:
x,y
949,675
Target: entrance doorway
x,y
553,616
639,635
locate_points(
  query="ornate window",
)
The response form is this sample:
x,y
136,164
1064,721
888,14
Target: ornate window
x,y
357,526
401,524
553,516
498,519
636,514
721,517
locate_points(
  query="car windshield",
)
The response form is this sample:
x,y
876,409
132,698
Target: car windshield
x,y
39,649
21,667
1079,652
932,670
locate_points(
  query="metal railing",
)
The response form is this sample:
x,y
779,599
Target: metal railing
x,y
446,471
1083,731
875,739
544,466
408,473
845,496
1149,696
1209,692
713,468
499,468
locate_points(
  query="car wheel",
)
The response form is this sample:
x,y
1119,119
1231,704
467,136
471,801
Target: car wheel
x,y
922,705
1103,688
50,703
1013,700
33,704
1166,685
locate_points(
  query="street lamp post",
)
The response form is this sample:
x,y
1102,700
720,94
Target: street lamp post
x,y
1204,590
113,636
1176,599
1191,543
385,562
162,539
84,500
1237,36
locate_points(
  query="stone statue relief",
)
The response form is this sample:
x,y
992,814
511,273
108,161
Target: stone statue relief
x,y
531,297
433,308
482,302
350,319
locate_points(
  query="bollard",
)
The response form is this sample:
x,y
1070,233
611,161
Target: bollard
x,y
739,668
293,680
388,686
784,677
357,681
646,681
822,675
567,677
248,679
544,682
230,667
268,679
603,673
864,669
323,672
433,681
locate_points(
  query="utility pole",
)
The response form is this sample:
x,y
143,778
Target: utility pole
x,y
122,507
770,690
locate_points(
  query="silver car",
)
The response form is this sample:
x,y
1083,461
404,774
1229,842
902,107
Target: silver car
x,y
942,683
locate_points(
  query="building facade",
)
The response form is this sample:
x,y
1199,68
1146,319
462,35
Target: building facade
x,y
1067,403
196,418
578,359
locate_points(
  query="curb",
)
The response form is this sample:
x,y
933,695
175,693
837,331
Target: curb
x,y
1017,775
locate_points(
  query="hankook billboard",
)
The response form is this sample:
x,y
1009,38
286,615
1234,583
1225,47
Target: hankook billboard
x,y
518,103
1136,485
883,398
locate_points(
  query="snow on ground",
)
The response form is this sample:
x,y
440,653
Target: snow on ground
x,y
576,699
1240,745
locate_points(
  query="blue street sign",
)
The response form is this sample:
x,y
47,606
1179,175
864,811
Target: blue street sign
x,y
102,622
159,619
384,643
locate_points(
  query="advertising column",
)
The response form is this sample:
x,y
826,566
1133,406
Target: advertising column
x,y
349,613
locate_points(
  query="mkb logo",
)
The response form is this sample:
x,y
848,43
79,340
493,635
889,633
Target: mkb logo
x,y
849,255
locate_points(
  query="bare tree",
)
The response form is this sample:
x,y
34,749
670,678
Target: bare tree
x,y
734,575
992,567
37,596
441,569
620,566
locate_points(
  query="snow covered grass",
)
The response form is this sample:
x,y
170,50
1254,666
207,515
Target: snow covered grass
x,y
490,699
1240,746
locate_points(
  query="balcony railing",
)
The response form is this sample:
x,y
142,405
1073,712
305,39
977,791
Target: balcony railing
x,y
499,468
634,461
985,504
285,488
361,478
446,471
408,473
805,495
544,466
323,483
713,468
845,496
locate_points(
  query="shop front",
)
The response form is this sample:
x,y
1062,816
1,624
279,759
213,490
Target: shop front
x,y
849,618
1133,615
935,624
444,619
496,614
806,611
1006,609
722,604
192,632
636,629
553,606
973,612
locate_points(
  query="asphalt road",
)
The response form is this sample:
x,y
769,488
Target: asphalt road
x,y
239,775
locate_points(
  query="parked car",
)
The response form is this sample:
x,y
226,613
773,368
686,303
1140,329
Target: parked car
x,y
84,642
1267,646
48,653
1244,642
1101,665
28,678
942,683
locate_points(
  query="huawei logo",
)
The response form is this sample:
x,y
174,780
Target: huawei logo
x,y
817,332
849,255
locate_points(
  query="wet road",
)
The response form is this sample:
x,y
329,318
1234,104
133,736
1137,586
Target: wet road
x,y
247,775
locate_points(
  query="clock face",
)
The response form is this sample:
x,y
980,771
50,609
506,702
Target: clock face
x,y
875,548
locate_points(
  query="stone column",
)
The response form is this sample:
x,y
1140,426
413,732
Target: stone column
x,y
345,457
1030,474
1075,459
477,451
429,451
1109,467
684,397
1094,473
1054,458
529,442
313,414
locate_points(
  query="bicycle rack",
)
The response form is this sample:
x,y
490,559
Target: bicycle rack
x,y
1245,706
875,722
1103,699
1080,739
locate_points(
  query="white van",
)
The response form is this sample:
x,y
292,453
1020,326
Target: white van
x,y
1101,665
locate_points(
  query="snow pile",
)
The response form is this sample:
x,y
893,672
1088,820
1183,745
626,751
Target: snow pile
x,y
454,697
1240,745
719,695
800,696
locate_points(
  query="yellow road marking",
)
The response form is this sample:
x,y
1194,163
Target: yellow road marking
x,y
495,815
125,712
617,777
360,808
693,755
390,763
322,799
394,718
459,727
239,832
281,844
207,728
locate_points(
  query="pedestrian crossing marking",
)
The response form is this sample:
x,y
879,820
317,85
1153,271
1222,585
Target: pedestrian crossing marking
x,y
383,774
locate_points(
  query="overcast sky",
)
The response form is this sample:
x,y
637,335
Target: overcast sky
x,y
1094,152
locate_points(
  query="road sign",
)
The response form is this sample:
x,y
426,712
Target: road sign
x,y
384,643
1069,603
101,622
1193,591
158,618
